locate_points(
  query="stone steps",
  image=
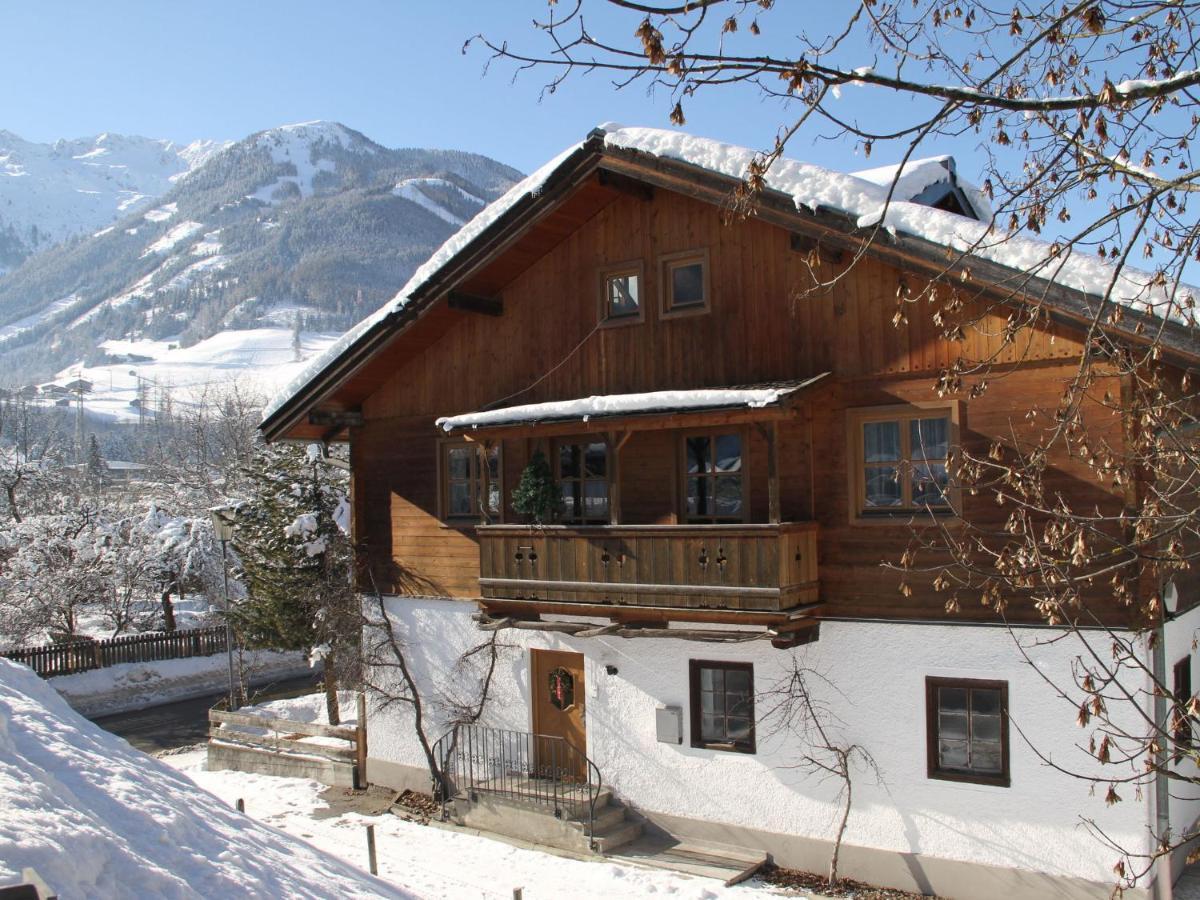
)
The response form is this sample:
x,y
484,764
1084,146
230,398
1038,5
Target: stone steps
x,y
527,818
724,864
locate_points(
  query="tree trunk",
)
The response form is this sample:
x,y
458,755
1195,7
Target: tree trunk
x,y
168,609
837,841
331,693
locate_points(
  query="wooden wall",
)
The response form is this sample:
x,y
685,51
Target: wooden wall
x,y
762,327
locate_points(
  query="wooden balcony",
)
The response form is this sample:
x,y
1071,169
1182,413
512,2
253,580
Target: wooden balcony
x,y
764,568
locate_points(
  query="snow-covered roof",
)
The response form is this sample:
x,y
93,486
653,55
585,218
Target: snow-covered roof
x,y
861,197
915,178
610,406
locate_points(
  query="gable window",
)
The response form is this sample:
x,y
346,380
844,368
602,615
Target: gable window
x,y
470,477
583,483
967,730
901,457
685,287
1182,691
722,701
714,489
621,293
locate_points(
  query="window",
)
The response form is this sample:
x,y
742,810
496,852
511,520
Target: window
x,y
583,483
967,723
463,482
621,293
722,696
714,491
1182,690
901,457
684,282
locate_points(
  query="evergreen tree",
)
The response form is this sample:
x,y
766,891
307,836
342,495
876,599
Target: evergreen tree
x,y
297,563
95,462
536,496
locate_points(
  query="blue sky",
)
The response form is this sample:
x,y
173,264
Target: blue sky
x,y
393,70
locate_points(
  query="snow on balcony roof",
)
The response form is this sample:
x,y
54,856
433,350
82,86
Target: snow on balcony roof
x,y
611,406
813,188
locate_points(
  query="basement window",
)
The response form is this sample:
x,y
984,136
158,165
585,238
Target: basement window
x,y
967,730
722,695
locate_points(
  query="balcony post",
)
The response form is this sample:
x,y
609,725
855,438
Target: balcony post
x,y
770,433
616,441
481,459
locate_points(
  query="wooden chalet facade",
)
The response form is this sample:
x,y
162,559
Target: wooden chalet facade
x,y
735,458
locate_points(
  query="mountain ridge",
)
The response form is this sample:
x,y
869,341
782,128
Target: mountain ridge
x,y
53,191
315,219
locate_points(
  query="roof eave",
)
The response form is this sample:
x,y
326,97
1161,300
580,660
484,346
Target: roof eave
x,y
573,168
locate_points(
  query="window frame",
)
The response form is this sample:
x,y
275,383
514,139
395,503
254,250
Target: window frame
x,y
445,445
744,472
583,441
635,267
750,744
1183,736
667,262
903,413
933,769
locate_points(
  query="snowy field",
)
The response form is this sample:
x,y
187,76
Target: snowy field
x,y
256,361
431,862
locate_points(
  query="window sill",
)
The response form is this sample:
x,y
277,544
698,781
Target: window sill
x,y
619,321
905,516
724,748
685,312
967,778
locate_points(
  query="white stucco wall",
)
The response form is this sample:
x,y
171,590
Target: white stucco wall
x,y
1185,795
879,670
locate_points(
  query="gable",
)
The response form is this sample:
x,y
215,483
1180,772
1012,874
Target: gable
x,y
585,185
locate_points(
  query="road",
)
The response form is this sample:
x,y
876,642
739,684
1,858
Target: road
x,y
185,722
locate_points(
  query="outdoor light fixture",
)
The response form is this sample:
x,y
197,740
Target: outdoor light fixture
x,y
223,523
1170,599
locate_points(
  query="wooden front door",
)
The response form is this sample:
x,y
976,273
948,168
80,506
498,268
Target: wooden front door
x,y
558,712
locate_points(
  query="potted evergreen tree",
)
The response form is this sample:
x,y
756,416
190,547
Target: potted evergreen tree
x,y
535,495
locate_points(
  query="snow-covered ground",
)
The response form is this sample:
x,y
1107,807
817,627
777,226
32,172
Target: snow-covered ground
x,y
434,863
135,685
257,361
97,819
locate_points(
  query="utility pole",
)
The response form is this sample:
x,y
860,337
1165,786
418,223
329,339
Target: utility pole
x,y
223,522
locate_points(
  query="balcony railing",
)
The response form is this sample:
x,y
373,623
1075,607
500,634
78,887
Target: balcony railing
x,y
729,567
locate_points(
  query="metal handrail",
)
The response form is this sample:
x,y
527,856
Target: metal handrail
x,y
519,765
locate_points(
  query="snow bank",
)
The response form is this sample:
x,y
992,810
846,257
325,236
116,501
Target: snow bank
x,y
129,686
97,818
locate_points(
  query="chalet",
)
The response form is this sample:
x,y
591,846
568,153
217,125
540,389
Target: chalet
x,y
733,458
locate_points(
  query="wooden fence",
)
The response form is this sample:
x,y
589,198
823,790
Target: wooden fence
x,y
70,657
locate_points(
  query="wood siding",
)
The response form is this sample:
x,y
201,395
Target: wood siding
x,y
762,327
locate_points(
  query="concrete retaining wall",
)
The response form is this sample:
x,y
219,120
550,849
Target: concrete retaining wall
x,y
268,762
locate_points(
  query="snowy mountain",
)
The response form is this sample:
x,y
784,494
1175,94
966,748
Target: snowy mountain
x,y
304,227
50,192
